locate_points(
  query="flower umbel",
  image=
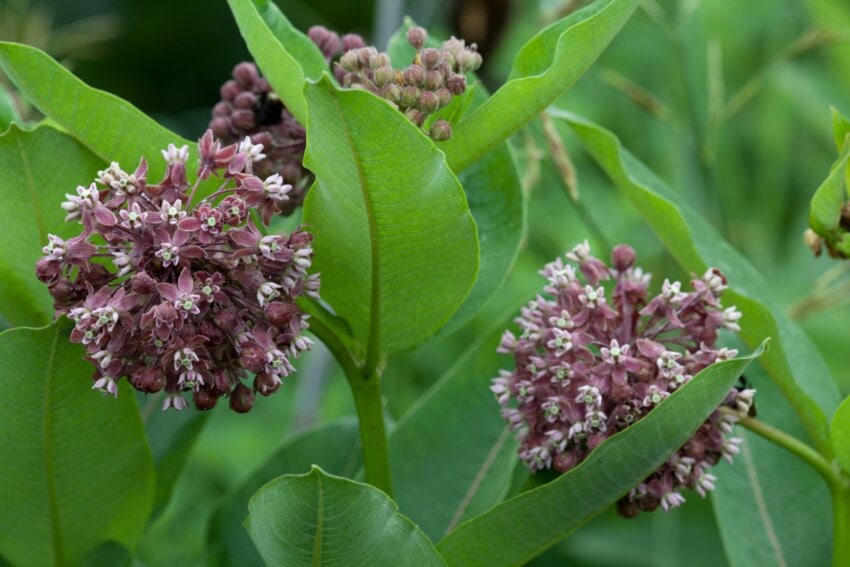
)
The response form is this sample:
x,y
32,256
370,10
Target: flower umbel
x,y
591,361
198,298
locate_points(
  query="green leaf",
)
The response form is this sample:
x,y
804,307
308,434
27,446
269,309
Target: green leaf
x,y
793,363
476,451
828,200
286,56
112,128
839,433
39,167
395,242
549,64
76,471
335,447
171,437
840,127
759,497
318,519
520,528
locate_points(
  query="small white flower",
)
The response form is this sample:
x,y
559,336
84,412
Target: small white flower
x,y
173,400
56,247
705,483
107,385
173,154
266,292
589,395
713,281
592,298
672,292
672,500
731,315
276,189
580,253
253,151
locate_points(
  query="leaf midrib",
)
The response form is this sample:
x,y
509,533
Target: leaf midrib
x,y
320,521
52,497
373,347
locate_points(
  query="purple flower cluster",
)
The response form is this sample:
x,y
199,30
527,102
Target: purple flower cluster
x,y
428,84
591,362
197,296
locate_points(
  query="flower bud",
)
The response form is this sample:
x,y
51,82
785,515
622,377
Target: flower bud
x,y
245,100
430,57
220,126
414,75
229,90
47,270
243,119
63,291
241,399
409,96
433,80
392,92
226,319
219,383
204,400
364,56
222,109
143,283
246,74
456,84
384,75
280,314
349,61
813,241
148,380
379,60
623,257
428,102
266,384
444,95
352,41
415,116
417,37
252,359
441,130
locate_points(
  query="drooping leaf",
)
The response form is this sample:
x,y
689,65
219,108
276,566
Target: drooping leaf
x,y
839,433
759,498
476,451
520,528
395,242
793,362
171,437
335,447
828,200
319,519
549,64
285,55
39,167
112,128
76,471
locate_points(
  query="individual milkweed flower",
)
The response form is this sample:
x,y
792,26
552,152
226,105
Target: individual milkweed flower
x,y
173,313
595,357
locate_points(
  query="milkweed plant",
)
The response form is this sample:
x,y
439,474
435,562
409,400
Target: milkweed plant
x,y
368,201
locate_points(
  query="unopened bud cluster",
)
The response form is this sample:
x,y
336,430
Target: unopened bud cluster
x,y
591,360
836,241
428,84
183,296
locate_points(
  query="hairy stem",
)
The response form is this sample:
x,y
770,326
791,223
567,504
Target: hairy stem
x,y
838,483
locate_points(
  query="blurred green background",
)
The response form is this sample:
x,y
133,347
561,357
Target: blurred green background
x,y
728,101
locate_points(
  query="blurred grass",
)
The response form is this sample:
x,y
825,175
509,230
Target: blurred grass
x,y
728,101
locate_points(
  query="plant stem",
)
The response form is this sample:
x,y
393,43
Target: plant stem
x,y
373,435
366,389
838,483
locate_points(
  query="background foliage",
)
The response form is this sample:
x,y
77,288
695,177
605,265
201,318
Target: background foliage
x,y
727,101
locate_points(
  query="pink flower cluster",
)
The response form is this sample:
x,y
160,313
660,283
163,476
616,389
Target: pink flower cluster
x,y
182,294
591,361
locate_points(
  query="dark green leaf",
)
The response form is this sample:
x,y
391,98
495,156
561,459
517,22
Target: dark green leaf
x,y
318,519
793,361
520,528
76,471
395,242
286,56
543,70
772,508
38,167
839,433
333,446
112,128
476,451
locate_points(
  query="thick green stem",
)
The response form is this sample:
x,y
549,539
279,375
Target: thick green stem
x,y
373,434
838,483
366,389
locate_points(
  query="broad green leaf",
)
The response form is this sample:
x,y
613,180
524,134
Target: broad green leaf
x,y
793,362
39,167
839,433
395,242
476,451
319,519
280,50
543,70
335,447
840,127
112,128
825,211
772,508
518,529
8,110
171,437
76,471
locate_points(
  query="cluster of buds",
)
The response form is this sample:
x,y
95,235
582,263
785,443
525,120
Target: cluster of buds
x,y
426,85
836,241
250,108
591,362
198,297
